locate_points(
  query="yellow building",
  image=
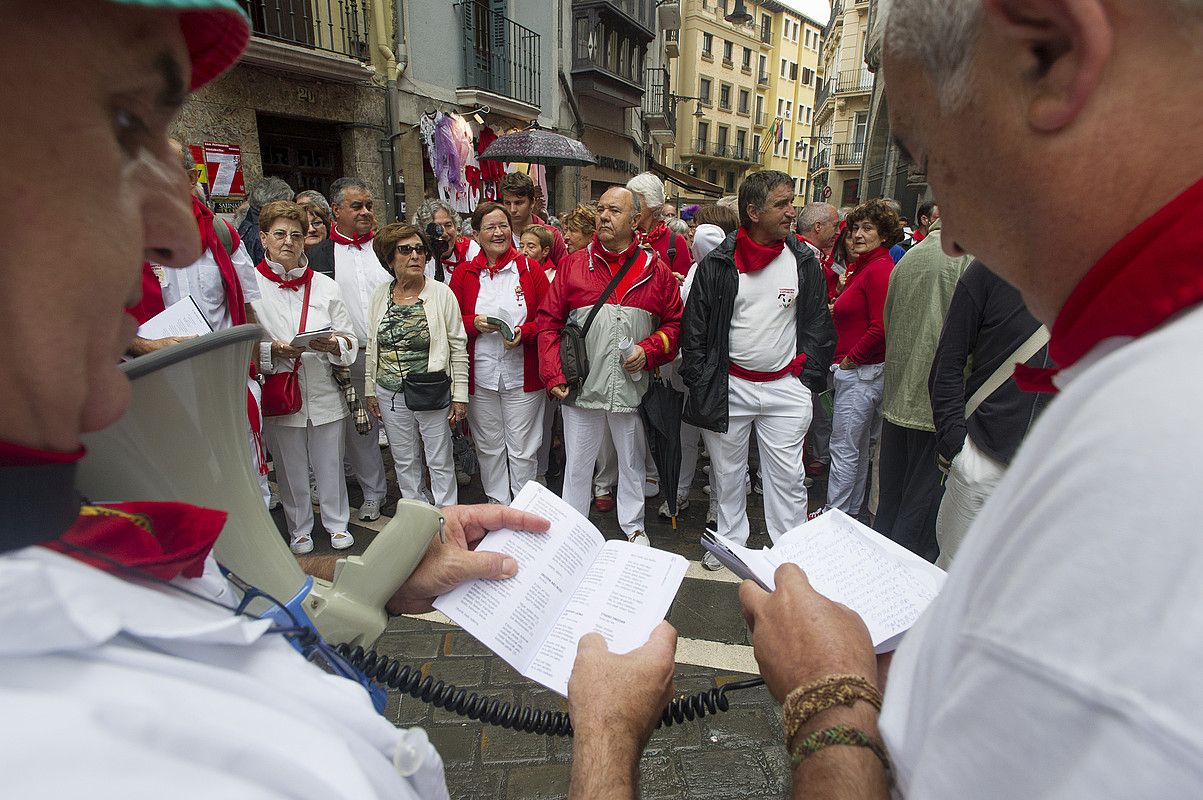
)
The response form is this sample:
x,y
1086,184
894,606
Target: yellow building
x,y
785,111
841,118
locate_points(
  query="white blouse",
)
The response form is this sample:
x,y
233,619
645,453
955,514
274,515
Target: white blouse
x,y
279,312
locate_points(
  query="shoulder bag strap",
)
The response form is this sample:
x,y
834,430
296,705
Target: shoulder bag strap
x,y
1029,348
304,316
605,295
672,249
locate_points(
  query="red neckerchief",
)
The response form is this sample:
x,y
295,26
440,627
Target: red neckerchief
x,y
166,540
1153,273
918,236
284,283
752,257
18,455
614,262
357,241
225,265
481,262
657,233
458,249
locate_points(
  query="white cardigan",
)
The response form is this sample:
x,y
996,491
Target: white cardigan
x,y
279,313
448,341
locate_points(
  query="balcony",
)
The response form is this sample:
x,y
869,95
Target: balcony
x,y
820,160
632,12
761,119
672,44
766,34
609,45
501,62
849,155
658,112
821,94
854,81
719,150
762,79
311,37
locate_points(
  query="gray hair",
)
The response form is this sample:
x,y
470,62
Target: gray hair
x,y
894,204
754,191
187,162
678,225
268,190
728,201
340,186
650,189
940,35
814,213
425,213
315,197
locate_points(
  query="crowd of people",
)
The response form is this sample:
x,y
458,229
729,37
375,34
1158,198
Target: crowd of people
x,y
1054,662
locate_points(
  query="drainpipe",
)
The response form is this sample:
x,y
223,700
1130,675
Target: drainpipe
x,y
392,70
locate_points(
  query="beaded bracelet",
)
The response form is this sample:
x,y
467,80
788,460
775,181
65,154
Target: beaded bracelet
x,y
803,703
840,734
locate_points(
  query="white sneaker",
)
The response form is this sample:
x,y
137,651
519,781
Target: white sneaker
x,y
382,439
370,510
682,504
651,488
747,487
301,545
640,538
817,512
341,541
710,562
273,500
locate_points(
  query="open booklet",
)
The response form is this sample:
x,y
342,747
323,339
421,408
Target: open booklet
x,y
504,322
846,561
570,582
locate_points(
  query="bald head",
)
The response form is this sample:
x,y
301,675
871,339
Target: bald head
x,y
618,212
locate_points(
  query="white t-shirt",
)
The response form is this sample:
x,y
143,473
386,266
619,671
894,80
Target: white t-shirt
x,y
495,367
110,689
357,272
1060,659
764,323
202,281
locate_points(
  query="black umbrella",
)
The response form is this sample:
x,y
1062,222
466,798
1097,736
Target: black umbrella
x,y
660,411
538,146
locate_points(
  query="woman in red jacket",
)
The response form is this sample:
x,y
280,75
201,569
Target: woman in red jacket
x,y
860,352
506,410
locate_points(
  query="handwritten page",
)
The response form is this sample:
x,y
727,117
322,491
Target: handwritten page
x,y
850,563
182,318
570,582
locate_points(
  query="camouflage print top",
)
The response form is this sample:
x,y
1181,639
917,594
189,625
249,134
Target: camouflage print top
x,y
404,344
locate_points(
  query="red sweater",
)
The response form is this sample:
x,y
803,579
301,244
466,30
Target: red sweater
x,y
465,284
859,311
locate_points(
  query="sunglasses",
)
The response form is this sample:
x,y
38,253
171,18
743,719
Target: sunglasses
x,y
407,249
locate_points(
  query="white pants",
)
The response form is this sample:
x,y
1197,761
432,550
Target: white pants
x,y
296,451
855,429
407,430
780,411
363,449
583,429
506,429
971,480
605,476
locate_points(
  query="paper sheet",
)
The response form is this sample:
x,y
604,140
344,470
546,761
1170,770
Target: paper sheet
x,y
183,318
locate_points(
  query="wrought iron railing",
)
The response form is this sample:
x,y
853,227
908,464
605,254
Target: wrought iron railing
x,y
820,160
500,56
335,26
821,94
735,152
850,155
854,80
657,98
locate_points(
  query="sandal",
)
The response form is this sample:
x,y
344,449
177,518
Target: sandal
x,y
341,541
301,545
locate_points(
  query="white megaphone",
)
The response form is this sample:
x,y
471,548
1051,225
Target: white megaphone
x,y
185,438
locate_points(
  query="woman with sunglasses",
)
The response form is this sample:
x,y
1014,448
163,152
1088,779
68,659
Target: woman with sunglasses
x,y
415,329
503,378
295,299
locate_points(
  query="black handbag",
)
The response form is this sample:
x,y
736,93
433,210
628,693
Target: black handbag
x,y
426,391
574,358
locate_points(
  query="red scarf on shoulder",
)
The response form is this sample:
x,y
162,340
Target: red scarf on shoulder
x,y
753,257
481,261
614,262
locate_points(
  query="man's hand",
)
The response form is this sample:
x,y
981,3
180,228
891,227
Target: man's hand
x,y
517,340
848,364
374,407
446,566
799,636
483,326
282,349
141,347
560,392
615,702
457,412
637,361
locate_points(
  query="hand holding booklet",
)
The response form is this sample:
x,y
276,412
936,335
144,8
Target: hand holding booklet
x,y
850,563
570,582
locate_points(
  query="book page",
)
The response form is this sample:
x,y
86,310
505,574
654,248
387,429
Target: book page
x,y
513,616
845,564
623,595
182,318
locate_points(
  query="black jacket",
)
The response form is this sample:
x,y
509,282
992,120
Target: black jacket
x,y
986,323
321,257
706,330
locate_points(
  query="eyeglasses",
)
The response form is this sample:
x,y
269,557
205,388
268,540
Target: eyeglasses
x,y
407,249
280,236
500,226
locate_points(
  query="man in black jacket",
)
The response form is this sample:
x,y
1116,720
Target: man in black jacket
x,y
986,324
755,336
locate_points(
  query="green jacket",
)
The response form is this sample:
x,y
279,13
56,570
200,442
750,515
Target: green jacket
x,y
921,288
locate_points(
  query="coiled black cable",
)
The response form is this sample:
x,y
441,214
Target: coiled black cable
x,y
408,680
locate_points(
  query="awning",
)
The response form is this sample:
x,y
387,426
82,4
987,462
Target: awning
x,y
685,180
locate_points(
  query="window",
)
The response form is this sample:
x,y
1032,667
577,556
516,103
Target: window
x,y
789,109
712,175
747,62
707,44
809,115
704,91
784,67
766,28
860,128
741,144
703,136
728,47
764,69
759,105
723,132
744,100
724,96
780,107
730,182
755,145
793,70
808,75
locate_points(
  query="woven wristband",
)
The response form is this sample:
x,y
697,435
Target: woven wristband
x,y
804,703
840,735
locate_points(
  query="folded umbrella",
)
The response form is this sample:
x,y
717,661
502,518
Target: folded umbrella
x,y
660,409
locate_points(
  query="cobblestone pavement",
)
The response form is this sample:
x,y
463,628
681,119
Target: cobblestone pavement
x,y
737,754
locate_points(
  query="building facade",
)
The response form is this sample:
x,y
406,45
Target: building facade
x,y
841,118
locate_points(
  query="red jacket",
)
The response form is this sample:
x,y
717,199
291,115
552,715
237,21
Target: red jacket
x,y
860,310
660,238
465,284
